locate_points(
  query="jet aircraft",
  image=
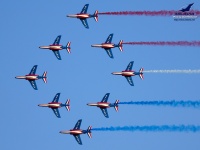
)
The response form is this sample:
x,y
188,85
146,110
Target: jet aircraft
x,y
187,8
108,45
76,131
55,47
54,105
129,72
103,105
31,77
83,16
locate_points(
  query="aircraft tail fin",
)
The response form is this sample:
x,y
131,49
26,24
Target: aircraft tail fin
x,y
96,16
141,73
44,77
116,105
68,48
120,45
89,133
67,104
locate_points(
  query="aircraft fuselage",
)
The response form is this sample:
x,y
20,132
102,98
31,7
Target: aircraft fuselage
x,y
73,132
100,104
105,45
52,47
51,105
28,77
80,16
126,73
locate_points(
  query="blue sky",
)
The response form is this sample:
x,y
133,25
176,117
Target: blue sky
x,y
85,75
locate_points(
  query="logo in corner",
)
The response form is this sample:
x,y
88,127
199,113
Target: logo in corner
x,y
185,14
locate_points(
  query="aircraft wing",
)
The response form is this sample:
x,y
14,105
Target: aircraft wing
x,y
105,98
78,139
56,112
33,70
130,81
57,40
189,6
56,98
84,22
109,39
109,52
78,124
33,84
57,54
105,112
130,65
85,8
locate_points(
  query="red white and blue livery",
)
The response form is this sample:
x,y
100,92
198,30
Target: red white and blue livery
x,y
108,45
31,77
56,47
54,105
129,72
83,16
103,105
76,131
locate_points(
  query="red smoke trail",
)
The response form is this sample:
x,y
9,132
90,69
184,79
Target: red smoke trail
x,y
167,43
152,13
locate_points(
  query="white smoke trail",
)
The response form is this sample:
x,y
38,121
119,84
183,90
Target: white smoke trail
x,y
172,71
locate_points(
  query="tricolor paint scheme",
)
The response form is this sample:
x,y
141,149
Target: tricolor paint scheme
x,y
83,16
54,105
31,77
108,45
103,105
55,47
76,131
129,72
187,8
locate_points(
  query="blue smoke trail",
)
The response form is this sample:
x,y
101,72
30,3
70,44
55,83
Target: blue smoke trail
x,y
172,103
162,128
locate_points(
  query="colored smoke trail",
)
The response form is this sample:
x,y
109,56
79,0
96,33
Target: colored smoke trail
x,y
166,43
172,71
151,13
153,128
172,103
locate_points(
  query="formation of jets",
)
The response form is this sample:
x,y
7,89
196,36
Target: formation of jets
x,y
103,104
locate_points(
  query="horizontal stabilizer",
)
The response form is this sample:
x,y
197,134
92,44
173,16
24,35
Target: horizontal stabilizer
x,y
44,77
120,45
96,16
89,133
68,48
141,73
67,104
116,105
